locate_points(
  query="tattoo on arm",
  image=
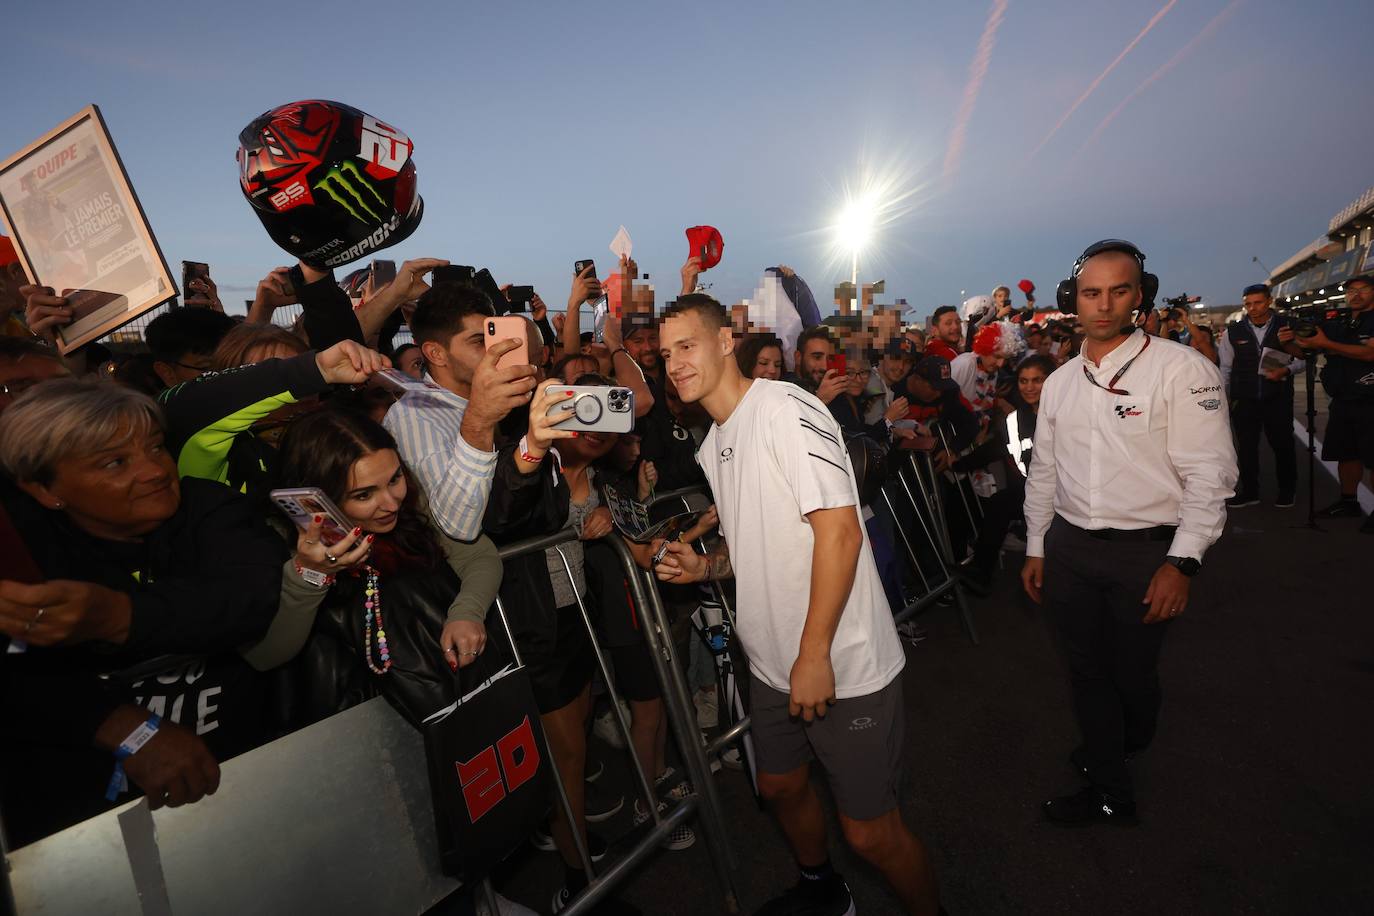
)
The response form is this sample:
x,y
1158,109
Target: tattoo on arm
x,y
718,564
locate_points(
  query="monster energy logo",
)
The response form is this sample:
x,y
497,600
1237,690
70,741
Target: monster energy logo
x,y
346,193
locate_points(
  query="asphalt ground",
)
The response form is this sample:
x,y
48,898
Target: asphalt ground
x,y
1255,797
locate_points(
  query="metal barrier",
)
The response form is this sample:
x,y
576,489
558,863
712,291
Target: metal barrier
x,y
360,828
929,511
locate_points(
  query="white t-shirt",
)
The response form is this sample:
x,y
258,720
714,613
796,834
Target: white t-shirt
x,y
777,458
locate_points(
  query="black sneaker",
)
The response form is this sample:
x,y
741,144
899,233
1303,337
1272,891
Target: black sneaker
x,y
600,804
1286,500
1345,507
1090,806
1241,500
1368,526
829,897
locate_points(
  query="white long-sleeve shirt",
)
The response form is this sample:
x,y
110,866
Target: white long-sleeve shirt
x,y
1160,455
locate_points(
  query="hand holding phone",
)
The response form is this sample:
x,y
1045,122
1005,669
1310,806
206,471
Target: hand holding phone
x,y
507,327
596,408
836,363
520,297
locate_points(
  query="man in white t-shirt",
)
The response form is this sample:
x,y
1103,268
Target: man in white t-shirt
x,y
811,613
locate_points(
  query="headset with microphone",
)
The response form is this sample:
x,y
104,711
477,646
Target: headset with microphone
x,y
1066,296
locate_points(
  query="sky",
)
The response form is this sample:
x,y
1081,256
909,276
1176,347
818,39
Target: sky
x,y
1229,129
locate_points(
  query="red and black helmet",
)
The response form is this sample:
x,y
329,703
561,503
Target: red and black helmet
x,y
330,183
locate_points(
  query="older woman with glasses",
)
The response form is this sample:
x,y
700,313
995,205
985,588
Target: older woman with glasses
x,y
128,564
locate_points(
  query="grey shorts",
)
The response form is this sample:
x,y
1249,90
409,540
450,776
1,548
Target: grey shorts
x,y
859,743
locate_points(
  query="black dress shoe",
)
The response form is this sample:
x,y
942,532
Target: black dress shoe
x,y
1090,806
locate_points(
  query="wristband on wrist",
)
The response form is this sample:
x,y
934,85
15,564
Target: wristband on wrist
x,y
523,450
313,576
132,744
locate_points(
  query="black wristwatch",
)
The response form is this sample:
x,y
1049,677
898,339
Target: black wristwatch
x,y
1186,565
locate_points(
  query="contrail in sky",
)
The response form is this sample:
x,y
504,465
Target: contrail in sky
x,y
1183,52
1103,75
976,71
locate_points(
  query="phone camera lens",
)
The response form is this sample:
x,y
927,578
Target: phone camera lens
x,y
491,327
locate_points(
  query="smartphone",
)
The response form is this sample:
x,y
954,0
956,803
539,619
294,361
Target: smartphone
x,y
484,281
302,504
836,362
452,273
596,408
520,298
383,272
504,326
579,266
192,270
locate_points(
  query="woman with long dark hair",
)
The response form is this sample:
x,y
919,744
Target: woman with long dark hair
x,y
396,598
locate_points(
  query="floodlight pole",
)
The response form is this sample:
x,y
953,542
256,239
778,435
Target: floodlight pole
x,y
854,278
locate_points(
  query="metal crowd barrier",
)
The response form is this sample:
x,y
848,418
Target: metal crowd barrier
x,y
346,804
920,484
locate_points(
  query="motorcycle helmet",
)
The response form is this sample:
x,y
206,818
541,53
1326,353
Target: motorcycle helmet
x,y
330,183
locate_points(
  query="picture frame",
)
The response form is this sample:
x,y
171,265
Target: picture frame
x,y
78,227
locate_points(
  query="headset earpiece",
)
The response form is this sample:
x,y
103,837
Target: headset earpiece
x,y
1066,294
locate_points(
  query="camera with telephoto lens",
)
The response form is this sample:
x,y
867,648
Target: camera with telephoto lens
x,y
1177,306
1305,319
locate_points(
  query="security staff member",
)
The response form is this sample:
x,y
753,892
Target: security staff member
x,y
1349,379
1261,395
1132,466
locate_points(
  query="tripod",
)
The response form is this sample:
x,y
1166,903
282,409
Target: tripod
x,y
1310,376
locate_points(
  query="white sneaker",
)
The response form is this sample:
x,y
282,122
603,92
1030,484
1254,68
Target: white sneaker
x,y
681,836
708,710
608,729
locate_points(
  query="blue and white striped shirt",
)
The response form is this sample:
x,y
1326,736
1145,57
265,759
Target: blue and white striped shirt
x,y
454,474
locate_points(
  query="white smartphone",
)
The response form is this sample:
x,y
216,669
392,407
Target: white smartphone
x,y
596,408
302,504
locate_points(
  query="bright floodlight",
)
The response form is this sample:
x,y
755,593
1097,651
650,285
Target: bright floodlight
x,y
857,220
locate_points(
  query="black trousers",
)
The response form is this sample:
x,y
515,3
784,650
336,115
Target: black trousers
x,y
1273,417
1093,592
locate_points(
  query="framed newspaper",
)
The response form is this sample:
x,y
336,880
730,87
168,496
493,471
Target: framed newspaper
x,y
78,227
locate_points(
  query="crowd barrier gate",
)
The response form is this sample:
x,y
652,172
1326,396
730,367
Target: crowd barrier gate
x,y
337,816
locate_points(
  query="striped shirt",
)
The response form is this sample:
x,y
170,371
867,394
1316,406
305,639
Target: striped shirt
x,y
454,474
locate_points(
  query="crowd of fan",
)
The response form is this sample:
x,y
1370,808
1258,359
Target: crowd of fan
x,y
164,579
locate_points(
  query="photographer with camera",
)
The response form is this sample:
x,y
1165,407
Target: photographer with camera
x,y
1348,376
1258,381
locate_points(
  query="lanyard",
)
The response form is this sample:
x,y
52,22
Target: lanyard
x,y
1110,387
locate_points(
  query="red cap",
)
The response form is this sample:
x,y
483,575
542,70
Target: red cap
x,y
1026,287
7,253
706,243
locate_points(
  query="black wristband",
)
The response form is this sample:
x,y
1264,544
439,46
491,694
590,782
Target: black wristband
x,y
297,278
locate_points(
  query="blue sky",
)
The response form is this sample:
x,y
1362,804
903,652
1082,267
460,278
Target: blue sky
x,y
541,128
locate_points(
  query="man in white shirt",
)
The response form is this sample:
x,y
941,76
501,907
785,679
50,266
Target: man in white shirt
x,y
1132,465
811,613
1257,376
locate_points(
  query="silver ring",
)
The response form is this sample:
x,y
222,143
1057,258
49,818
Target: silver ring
x,y
331,558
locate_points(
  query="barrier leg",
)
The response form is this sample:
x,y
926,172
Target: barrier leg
x,y
932,497
645,786
681,715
